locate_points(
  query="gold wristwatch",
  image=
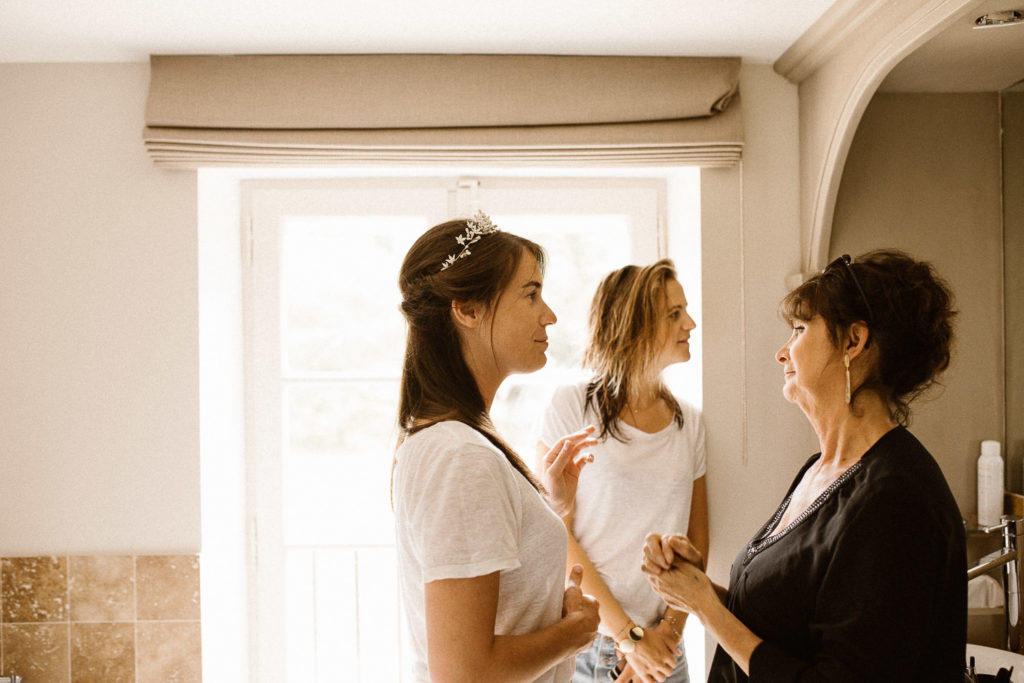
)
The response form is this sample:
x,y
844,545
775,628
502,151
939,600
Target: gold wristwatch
x,y
627,645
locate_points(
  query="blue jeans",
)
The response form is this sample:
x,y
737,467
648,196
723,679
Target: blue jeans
x,y
594,665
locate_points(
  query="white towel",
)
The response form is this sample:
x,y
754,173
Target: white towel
x,y
984,591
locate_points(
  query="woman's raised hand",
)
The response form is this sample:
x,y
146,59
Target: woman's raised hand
x,y
561,467
579,610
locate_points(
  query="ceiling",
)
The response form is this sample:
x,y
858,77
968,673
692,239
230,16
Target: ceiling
x,y
962,58
131,30
958,59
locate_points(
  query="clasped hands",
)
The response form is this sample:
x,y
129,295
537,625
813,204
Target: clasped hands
x,y
676,572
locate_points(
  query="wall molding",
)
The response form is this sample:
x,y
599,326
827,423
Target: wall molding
x,y
824,37
839,64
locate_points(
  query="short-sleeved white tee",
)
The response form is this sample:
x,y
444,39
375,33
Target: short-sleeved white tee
x,y
462,510
631,489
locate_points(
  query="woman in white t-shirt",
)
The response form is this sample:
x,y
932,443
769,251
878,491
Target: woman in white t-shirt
x,y
481,546
648,470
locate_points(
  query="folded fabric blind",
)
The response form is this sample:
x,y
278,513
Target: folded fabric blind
x,y
425,109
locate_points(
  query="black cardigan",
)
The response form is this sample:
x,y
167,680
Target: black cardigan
x,y
868,585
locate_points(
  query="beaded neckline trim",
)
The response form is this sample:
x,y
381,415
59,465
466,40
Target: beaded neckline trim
x,y
761,542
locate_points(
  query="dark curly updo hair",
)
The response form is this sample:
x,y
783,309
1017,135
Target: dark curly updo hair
x,y
907,308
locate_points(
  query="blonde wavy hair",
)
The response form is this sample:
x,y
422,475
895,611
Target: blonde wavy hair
x,y
624,326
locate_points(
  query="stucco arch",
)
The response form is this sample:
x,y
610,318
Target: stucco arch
x,y
839,64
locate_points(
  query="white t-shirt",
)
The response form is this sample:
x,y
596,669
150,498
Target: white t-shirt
x,y
631,489
462,510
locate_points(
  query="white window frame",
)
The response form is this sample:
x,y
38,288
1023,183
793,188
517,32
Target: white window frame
x,y
459,196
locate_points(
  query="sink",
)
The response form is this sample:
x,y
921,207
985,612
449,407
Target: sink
x,y
988,660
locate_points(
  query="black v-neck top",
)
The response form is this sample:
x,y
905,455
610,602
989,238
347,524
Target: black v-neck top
x,y
869,584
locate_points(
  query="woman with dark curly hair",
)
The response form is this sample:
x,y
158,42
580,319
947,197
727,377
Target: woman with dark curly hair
x,y
861,573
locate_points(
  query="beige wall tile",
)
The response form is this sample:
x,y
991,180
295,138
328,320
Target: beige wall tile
x,y
101,588
168,587
169,652
38,652
103,637
103,653
34,589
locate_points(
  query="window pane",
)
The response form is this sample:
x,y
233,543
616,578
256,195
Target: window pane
x,y
379,625
338,613
337,464
300,616
339,292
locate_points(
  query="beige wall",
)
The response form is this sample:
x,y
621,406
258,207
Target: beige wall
x,y
98,283
756,440
923,175
1013,227
98,321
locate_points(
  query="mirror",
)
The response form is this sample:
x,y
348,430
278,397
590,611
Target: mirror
x,y
964,59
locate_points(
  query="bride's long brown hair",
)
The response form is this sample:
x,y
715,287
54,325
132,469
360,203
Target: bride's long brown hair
x,y
436,382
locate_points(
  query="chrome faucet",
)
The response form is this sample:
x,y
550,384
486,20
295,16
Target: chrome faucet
x,y
1011,558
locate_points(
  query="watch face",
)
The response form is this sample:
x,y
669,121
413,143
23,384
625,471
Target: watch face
x,y
636,633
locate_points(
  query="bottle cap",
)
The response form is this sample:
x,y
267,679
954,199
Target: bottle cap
x,y
990,448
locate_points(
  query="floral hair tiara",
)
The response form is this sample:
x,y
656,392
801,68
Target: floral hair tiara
x,y
478,226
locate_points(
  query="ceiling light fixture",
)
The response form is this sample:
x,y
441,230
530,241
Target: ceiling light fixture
x,y
1008,17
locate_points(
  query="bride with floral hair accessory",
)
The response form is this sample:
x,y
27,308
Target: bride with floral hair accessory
x,y
481,546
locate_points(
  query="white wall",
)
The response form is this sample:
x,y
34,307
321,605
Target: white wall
x,y
99,447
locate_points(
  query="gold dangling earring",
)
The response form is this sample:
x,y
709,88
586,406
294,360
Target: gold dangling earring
x,y
846,362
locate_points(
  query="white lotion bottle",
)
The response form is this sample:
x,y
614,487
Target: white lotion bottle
x,y
990,484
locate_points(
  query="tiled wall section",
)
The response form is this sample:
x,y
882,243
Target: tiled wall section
x,y
100,619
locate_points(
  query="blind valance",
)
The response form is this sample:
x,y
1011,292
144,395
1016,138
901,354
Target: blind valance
x,y
424,109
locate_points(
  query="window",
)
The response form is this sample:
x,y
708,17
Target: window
x,y
324,343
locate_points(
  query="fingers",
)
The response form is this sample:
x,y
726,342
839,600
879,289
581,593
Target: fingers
x,y
655,559
661,551
591,620
682,547
591,605
576,575
584,459
573,599
641,673
655,663
580,610
566,448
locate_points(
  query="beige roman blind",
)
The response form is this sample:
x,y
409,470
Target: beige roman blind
x,y
439,109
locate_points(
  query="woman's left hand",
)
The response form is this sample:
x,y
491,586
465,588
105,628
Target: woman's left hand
x,y
683,587
654,658
561,467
